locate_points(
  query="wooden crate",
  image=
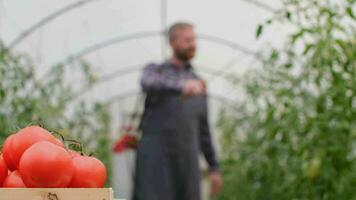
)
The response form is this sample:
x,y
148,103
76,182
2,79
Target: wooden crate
x,y
56,194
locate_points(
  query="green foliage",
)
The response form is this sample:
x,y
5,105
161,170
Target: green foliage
x,y
25,100
294,135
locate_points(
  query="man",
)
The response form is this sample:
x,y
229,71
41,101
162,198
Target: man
x,y
174,126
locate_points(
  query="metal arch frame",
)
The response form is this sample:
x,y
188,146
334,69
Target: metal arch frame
x,y
130,69
112,41
109,42
44,21
134,68
123,72
130,93
259,4
139,35
119,39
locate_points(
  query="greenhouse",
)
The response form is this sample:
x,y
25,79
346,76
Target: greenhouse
x,y
279,76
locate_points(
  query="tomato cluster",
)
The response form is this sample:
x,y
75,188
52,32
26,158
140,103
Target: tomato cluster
x,y
34,158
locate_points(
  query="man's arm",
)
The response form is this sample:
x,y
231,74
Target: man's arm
x,y
209,153
153,80
206,141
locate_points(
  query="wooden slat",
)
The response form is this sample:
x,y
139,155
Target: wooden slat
x,y
56,194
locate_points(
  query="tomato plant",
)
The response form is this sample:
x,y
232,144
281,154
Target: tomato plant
x,y
292,134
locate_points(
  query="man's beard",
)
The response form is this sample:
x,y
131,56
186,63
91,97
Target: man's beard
x,y
184,55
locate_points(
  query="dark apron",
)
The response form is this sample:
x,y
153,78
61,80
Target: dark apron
x,y
167,156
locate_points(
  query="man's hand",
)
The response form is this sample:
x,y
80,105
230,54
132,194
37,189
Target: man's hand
x,y
215,182
193,87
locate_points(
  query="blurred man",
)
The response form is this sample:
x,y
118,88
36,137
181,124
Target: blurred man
x,y
175,126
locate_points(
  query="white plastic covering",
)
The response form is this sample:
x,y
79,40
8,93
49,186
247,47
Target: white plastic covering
x,y
226,43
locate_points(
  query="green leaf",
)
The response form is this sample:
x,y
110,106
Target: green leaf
x,y
288,65
2,94
259,30
274,55
296,36
299,34
349,11
288,15
307,48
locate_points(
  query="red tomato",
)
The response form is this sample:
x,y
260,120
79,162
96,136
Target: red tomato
x,y
73,153
45,165
89,172
3,170
14,180
6,149
26,137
